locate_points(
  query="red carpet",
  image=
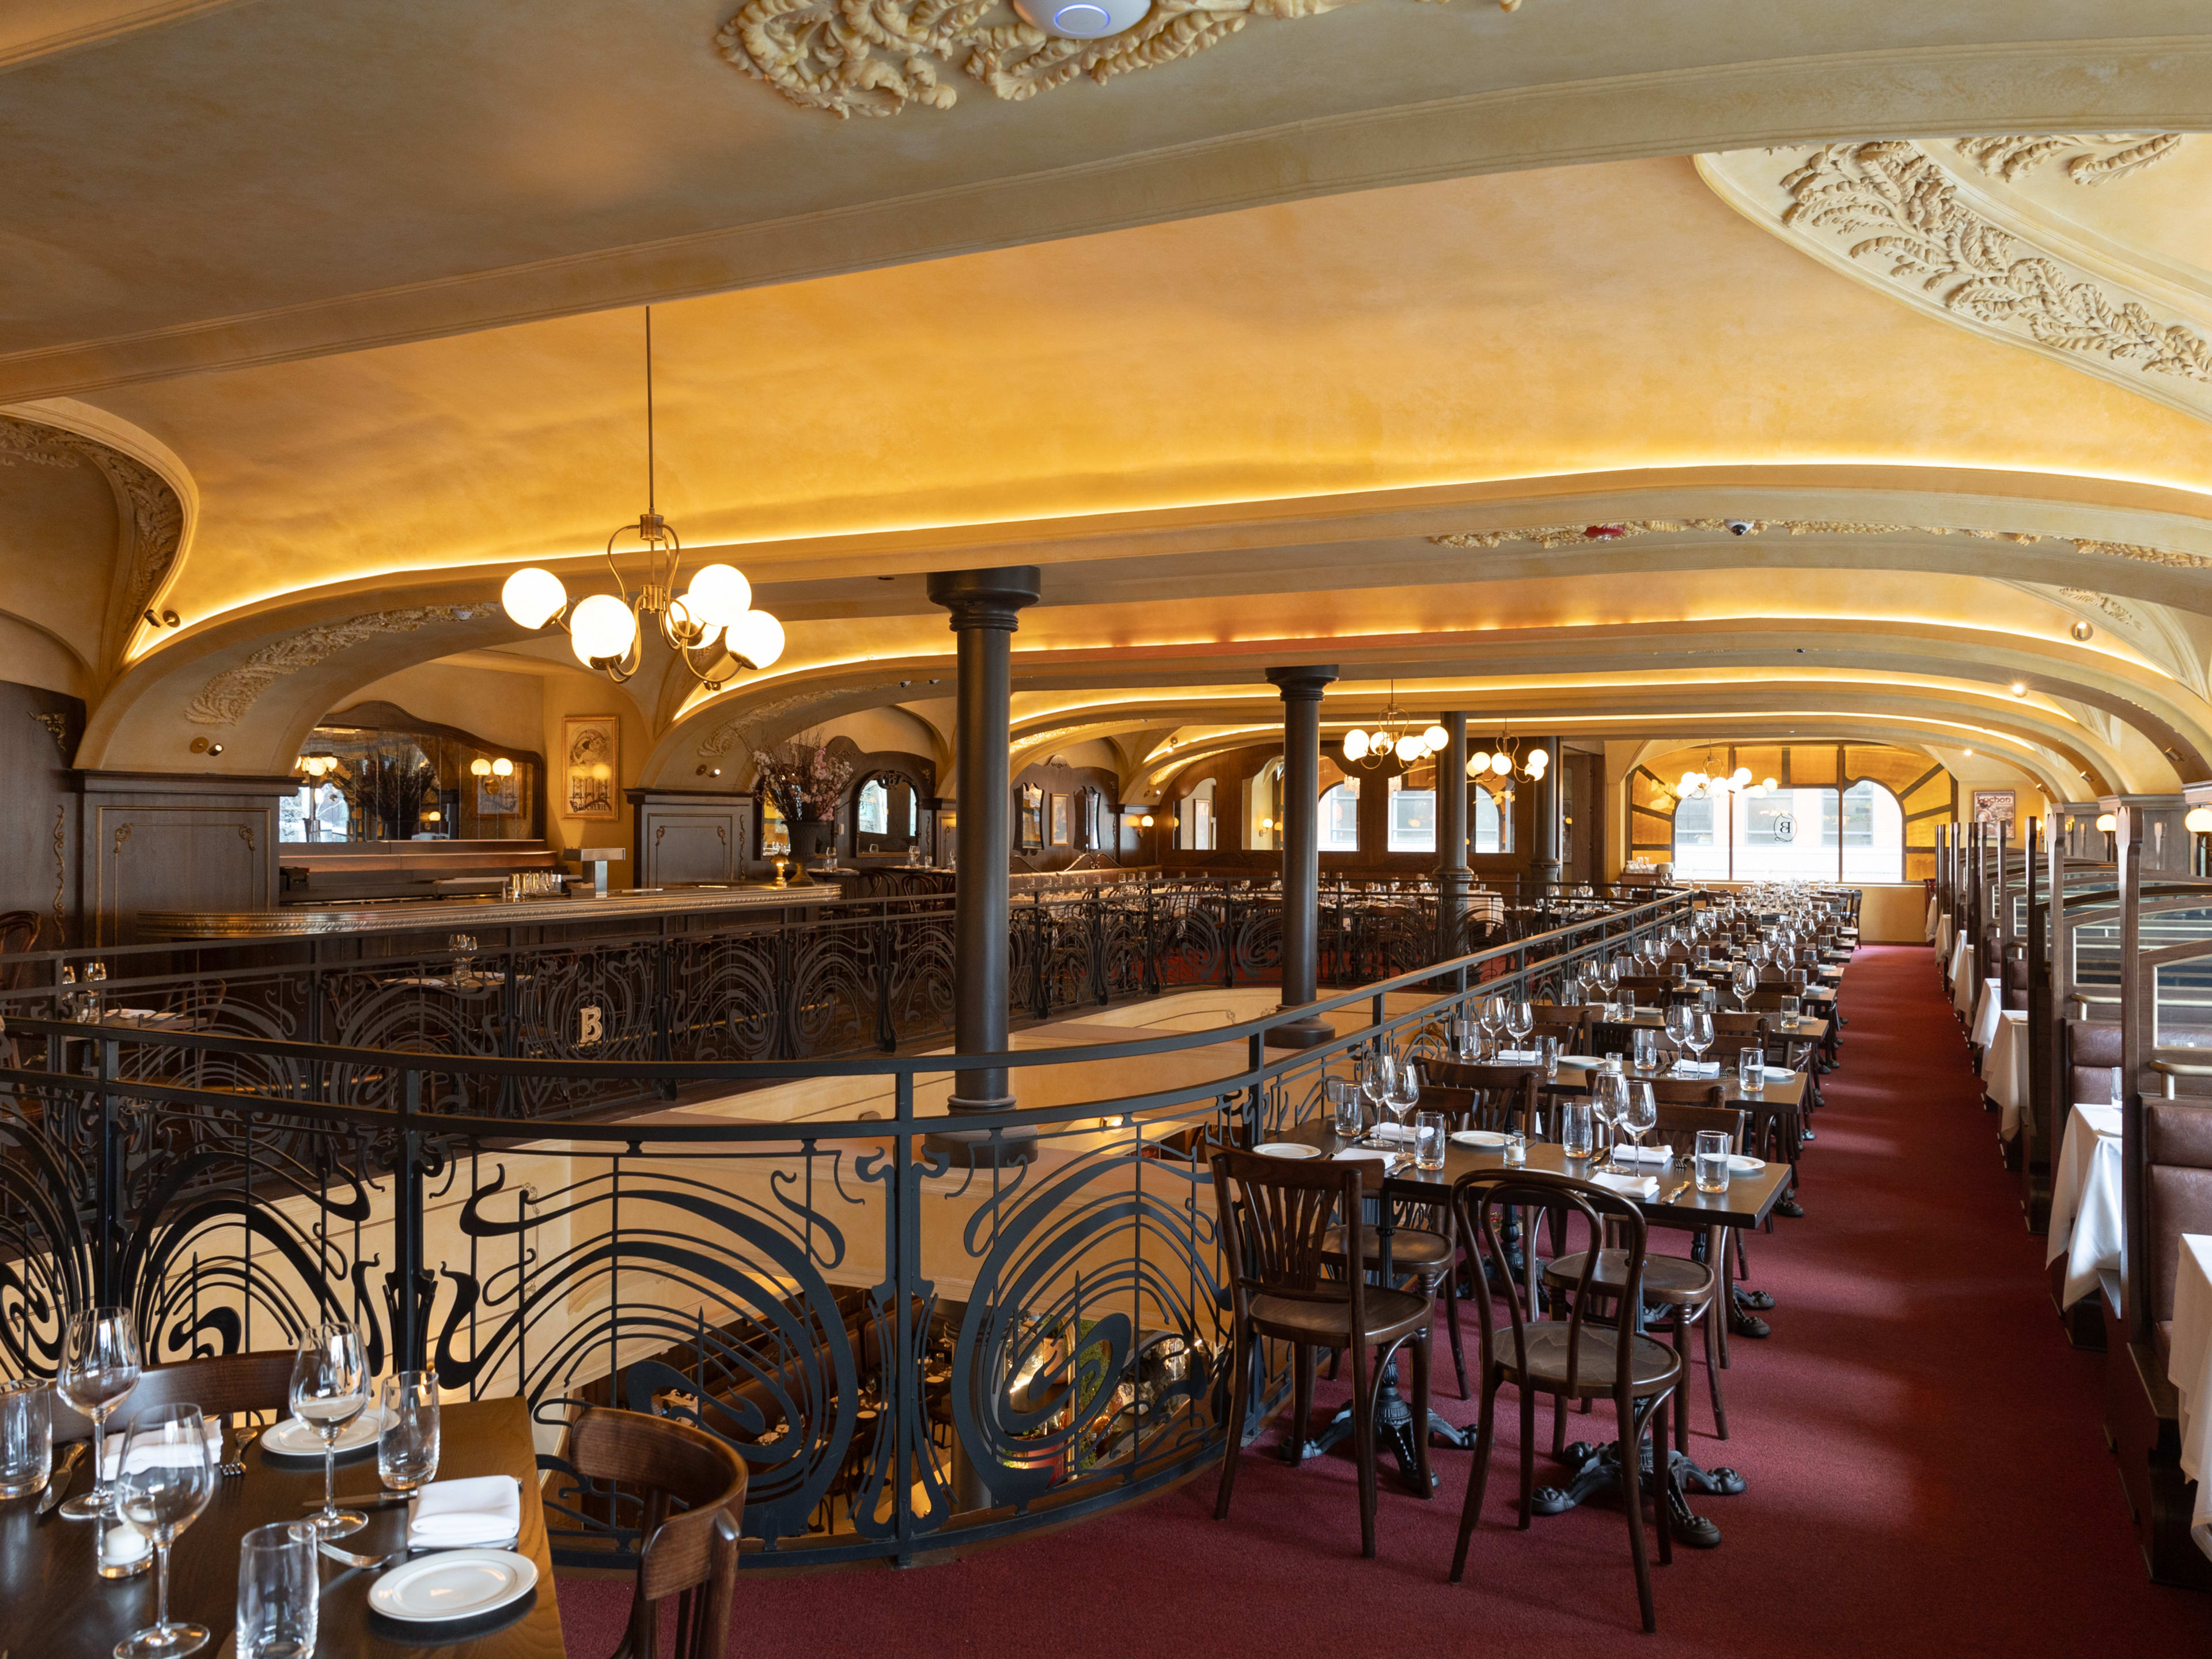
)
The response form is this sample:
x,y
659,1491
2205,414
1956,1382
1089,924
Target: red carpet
x,y
1927,1473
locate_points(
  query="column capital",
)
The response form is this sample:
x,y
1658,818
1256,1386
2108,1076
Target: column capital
x,y
1301,684
986,599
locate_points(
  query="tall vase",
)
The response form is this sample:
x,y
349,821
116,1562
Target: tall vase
x,y
812,839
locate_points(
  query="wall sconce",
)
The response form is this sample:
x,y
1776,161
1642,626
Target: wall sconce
x,y
163,619
1146,822
2198,823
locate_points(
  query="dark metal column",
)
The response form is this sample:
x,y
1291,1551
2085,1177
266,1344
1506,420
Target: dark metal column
x,y
986,607
1543,860
1301,818
1453,878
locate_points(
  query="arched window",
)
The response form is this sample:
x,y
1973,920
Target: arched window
x,y
1263,808
1491,823
1874,834
1413,817
886,813
1340,817
1792,835
1194,823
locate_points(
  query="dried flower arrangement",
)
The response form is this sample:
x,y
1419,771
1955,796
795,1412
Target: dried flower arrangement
x,y
805,780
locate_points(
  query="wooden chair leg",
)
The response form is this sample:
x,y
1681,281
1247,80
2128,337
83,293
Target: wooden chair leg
x,y
1478,1472
1682,1353
1363,1445
1422,1390
1715,1317
1451,1318
1631,1500
1302,1383
1528,1455
1663,1510
1240,1388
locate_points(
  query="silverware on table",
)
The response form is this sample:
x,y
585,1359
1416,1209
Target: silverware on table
x,y
348,1558
1675,1192
58,1484
368,1500
236,1467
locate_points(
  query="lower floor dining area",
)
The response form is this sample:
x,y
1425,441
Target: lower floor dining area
x,y
1924,1467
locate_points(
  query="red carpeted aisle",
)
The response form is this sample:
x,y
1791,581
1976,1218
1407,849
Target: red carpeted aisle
x,y
1927,1475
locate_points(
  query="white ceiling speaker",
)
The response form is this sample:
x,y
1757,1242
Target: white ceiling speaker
x,y
1083,20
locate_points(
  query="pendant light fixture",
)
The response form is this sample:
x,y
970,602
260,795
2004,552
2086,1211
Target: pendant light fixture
x,y
1704,786
1394,738
711,626
1506,760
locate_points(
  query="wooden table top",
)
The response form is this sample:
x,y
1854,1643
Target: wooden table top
x,y
1748,1201
54,1605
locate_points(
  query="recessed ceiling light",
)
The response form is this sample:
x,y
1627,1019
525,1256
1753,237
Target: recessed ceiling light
x,y
2019,690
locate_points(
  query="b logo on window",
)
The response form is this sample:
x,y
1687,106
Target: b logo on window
x,y
591,1026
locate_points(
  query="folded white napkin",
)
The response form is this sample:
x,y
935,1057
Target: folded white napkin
x,y
485,1511
1629,1185
111,1453
1588,1062
1394,1131
1697,1068
1351,1153
1525,1056
1652,1158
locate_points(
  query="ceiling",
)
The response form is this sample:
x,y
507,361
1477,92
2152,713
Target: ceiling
x,y
1436,341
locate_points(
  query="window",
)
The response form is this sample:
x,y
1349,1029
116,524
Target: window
x,y
1413,818
1263,808
1792,835
1340,817
875,808
314,814
1194,824
1488,814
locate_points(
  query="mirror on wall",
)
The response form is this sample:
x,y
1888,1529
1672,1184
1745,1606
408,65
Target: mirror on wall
x,y
375,773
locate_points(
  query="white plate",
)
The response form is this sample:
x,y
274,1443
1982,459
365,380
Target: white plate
x,y
292,1438
1742,1164
1479,1137
1287,1149
453,1585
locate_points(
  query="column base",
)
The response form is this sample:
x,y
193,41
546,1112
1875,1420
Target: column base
x,y
1309,1033
979,1149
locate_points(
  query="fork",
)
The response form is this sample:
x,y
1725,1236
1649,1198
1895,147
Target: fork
x,y
370,1561
236,1467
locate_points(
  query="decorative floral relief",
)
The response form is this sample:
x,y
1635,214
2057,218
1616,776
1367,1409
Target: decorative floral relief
x,y
157,517
1905,212
2092,158
2103,602
1584,534
876,56
224,700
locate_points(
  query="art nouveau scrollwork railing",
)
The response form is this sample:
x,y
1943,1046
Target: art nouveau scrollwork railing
x,y
909,1355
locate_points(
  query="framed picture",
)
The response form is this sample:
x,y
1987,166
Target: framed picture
x,y
499,798
1031,816
1063,830
1994,806
591,766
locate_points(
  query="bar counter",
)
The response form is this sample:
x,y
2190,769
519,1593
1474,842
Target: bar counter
x,y
424,916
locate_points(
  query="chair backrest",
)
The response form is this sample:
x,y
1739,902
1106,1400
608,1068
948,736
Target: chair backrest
x,y
674,1464
1679,1125
2092,1062
1486,1097
1276,1214
1482,1199
221,1385
19,934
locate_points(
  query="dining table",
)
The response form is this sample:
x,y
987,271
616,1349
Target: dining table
x,y
54,1605
1395,1179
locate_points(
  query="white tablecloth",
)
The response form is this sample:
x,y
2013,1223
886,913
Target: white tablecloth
x,y
1929,932
1943,937
2189,1368
2086,1217
1986,1010
1962,974
2004,1068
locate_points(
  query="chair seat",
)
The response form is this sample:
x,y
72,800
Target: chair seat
x,y
1390,1315
1412,1250
1653,1364
1669,1281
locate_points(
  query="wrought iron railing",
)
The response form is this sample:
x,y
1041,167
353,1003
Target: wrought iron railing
x,y
910,1355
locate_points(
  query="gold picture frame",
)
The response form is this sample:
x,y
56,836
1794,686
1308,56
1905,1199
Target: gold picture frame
x,y
591,759
1063,833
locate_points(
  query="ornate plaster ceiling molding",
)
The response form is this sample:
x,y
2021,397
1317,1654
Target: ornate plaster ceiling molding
x,y
153,514
2091,158
1567,535
1891,214
875,56
224,700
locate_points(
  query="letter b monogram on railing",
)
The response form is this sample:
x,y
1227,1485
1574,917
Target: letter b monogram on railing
x,y
591,1026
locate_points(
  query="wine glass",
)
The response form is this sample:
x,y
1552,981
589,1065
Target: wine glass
x,y
1520,1020
330,1388
1697,1032
1377,1075
1491,1011
165,1478
1405,1093
1745,981
1639,1114
100,1366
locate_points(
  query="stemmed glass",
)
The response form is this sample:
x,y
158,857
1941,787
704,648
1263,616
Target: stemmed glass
x,y
1639,1114
1405,1093
1696,1032
1745,981
166,1476
1491,1013
1377,1073
1520,1020
330,1388
1608,1099
100,1366
1677,1018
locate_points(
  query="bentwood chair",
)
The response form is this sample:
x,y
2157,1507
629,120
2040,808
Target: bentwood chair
x,y
1580,1357
1277,1217
221,1385
691,1554
1681,1291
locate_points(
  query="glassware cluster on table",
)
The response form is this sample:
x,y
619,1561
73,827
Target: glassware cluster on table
x,y
166,1470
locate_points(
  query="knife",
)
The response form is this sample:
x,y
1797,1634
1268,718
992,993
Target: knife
x,y
58,1484
367,1500
1676,1192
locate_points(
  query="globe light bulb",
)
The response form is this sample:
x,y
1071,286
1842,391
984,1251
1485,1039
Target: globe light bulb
x,y
2199,821
757,637
601,628
1741,774
1539,759
480,767
1146,821
1770,785
502,768
718,595
2107,823
1501,764
1410,749
1436,737
533,597
1355,744
1689,781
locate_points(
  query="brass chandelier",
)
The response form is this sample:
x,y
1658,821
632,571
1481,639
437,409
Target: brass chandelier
x,y
711,626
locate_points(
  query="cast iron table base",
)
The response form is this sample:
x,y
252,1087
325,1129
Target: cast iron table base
x,y
1394,1433
1597,1469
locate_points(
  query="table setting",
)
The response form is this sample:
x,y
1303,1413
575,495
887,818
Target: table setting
x,y
251,1543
